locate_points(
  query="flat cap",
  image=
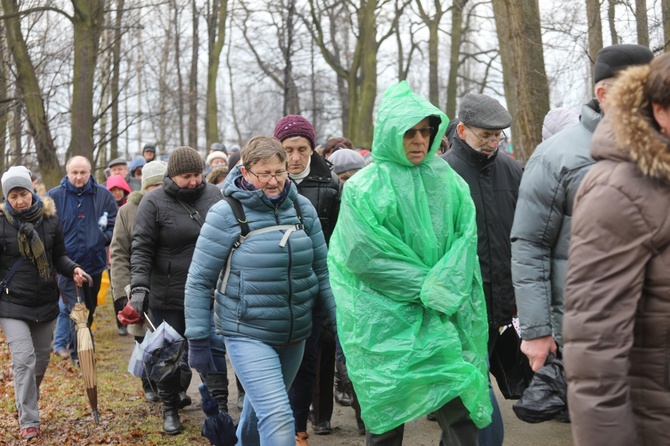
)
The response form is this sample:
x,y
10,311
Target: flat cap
x,y
484,112
117,161
614,58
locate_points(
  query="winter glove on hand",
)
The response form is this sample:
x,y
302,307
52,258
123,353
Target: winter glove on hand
x,y
139,300
200,357
122,301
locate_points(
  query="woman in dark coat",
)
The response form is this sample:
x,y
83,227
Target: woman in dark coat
x,y
32,250
166,228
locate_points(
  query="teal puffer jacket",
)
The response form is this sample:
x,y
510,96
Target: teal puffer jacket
x,y
271,289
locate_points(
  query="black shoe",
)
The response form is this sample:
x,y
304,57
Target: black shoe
x,y
431,417
171,424
184,400
123,330
323,428
74,362
240,401
342,398
563,416
151,396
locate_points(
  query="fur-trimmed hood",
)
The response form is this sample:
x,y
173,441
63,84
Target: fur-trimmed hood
x,y
629,132
49,207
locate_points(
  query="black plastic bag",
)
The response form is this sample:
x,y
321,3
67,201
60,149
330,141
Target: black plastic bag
x,y
547,394
509,366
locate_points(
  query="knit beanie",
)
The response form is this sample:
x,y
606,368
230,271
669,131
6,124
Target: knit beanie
x,y
183,160
295,125
216,154
153,173
346,159
16,176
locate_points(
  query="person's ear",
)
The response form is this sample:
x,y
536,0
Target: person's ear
x,y
460,130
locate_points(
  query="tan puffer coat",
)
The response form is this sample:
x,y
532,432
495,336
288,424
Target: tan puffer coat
x,y
617,297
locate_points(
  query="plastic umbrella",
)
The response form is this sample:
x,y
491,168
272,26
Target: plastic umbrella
x,y
159,354
219,428
86,351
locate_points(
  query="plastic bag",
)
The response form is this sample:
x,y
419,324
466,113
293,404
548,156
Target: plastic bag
x,y
547,394
509,366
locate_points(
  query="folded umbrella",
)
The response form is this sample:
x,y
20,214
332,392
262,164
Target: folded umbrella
x,y
218,428
85,350
159,355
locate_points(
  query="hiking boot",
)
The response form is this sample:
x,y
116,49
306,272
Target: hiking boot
x,y
151,396
301,439
30,432
171,423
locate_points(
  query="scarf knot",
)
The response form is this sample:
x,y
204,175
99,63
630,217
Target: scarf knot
x,y
30,244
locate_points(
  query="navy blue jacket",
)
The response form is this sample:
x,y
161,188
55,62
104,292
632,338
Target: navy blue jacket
x,y
79,210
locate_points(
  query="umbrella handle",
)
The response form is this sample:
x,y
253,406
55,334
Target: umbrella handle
x,y
146,317
89,279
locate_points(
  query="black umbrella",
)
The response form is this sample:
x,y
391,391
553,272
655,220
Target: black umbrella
x,y
219,428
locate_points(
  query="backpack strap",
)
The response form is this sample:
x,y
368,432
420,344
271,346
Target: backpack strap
x,y
240,216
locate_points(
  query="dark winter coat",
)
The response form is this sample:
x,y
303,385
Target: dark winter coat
x,y
617,294
494,186
323,189
164,240
79,210
31,297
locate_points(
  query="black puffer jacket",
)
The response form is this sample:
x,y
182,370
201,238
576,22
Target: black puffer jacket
x,y
164,241
30,297
494,186
323,189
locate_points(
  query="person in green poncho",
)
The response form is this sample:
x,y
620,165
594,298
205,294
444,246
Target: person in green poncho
x,y
403,267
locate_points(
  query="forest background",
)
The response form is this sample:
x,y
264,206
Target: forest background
x,y
101,78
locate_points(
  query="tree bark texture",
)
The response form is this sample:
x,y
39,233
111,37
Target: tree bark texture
x,y
454,56
87,23
26,82
642,22
595,28
217,33
526,85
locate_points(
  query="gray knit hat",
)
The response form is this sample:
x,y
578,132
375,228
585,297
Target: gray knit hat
x,y
153,173
346,159
183,160
16,176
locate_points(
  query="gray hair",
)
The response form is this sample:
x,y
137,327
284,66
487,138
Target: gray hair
x,y
262,148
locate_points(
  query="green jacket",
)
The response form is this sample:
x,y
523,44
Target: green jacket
x,y
403,266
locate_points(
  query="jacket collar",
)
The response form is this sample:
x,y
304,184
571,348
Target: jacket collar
x,y
463,150
629,132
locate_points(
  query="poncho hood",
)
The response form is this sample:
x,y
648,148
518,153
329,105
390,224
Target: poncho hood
x,y
403,267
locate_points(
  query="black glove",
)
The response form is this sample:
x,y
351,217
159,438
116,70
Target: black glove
x,y
122,301
139,300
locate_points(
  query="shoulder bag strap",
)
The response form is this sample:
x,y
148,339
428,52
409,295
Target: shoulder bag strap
x,y
4,282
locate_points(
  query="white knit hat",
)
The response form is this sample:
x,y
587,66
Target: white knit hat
x,y
16,176
214,155
153,173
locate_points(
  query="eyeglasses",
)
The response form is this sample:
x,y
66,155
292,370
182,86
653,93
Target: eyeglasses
x,y
425,132
266,177
497,136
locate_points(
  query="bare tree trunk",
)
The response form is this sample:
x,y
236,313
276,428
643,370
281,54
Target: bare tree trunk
x,y
595,29
99,157
116,78
611,19
164,94
87,22
233,110
433,24
526,86
180,83
217,33
454,55
642,22
4,99
31,94
665,5
193,84
291,99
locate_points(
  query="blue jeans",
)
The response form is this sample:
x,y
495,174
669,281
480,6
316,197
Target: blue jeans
x,y
266,372
66,330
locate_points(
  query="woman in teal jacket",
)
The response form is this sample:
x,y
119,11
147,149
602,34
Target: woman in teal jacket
x,y
272,280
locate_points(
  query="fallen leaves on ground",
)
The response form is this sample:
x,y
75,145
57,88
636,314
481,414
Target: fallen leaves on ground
x,y
125,416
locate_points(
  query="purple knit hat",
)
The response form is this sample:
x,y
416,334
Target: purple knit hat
x,y
295,125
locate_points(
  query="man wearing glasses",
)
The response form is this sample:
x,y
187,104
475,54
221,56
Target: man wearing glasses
x,y
494,185
316,181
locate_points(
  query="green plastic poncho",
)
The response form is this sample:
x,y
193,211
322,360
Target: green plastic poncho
x,y
403,266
